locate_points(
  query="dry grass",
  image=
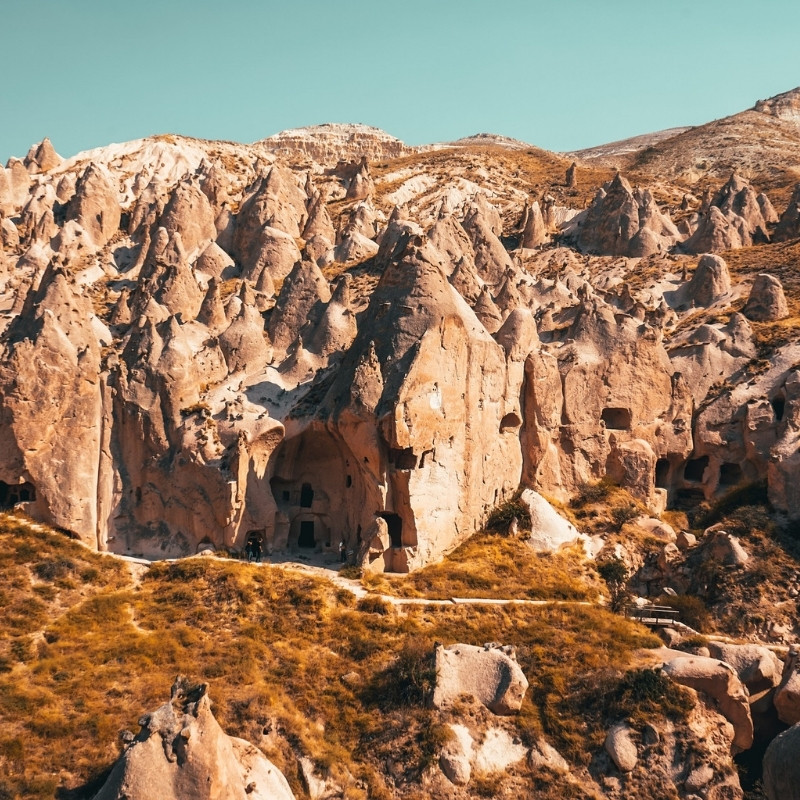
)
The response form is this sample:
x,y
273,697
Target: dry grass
x,y
493,566
91,652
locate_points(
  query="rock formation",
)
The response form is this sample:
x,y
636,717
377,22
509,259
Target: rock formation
x,y
767,301
719,681
181,752
257,348
788,226
735,218
489,673
625,222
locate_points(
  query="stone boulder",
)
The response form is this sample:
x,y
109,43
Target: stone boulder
x,y
720,682
725,549
781,766
456,756
620,746
181,752
490,673
549,530
767,301
758,668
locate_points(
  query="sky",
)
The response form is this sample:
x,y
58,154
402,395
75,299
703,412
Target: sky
x,y
563,74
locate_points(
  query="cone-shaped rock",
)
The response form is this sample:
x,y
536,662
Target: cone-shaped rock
x,y
189,213
302,296
789,224
245,344
95,205
767,301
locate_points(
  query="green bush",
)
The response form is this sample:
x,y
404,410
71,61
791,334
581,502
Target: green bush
x,y
501,517
623,514
693,611
615,574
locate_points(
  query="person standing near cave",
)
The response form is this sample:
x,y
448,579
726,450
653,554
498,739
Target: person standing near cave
x,y
342,551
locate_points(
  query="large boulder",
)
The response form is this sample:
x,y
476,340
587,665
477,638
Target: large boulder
x,y
781,767
181,752
490,673
758,668
720,682
767,301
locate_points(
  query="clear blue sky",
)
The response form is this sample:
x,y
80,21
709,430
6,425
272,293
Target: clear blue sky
x,y
561,74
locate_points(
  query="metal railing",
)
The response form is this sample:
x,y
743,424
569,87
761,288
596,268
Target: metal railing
x,y
652,615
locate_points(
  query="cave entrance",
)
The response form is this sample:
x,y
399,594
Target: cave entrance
x,y
778,407
395,524
306,539
694,469
618,419
13,493
730,474
662,473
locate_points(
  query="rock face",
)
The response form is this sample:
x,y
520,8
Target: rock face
x,y
181,752
489,673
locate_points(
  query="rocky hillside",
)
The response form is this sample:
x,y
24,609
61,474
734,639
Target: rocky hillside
x,y
328,343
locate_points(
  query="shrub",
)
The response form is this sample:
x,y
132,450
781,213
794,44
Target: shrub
x,y
750,494
55,569
500,518
592,493
623,514
350,571
615,574
693,611
373,604
410,679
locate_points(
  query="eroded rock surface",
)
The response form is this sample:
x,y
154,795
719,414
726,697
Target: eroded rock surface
x,y
182,752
